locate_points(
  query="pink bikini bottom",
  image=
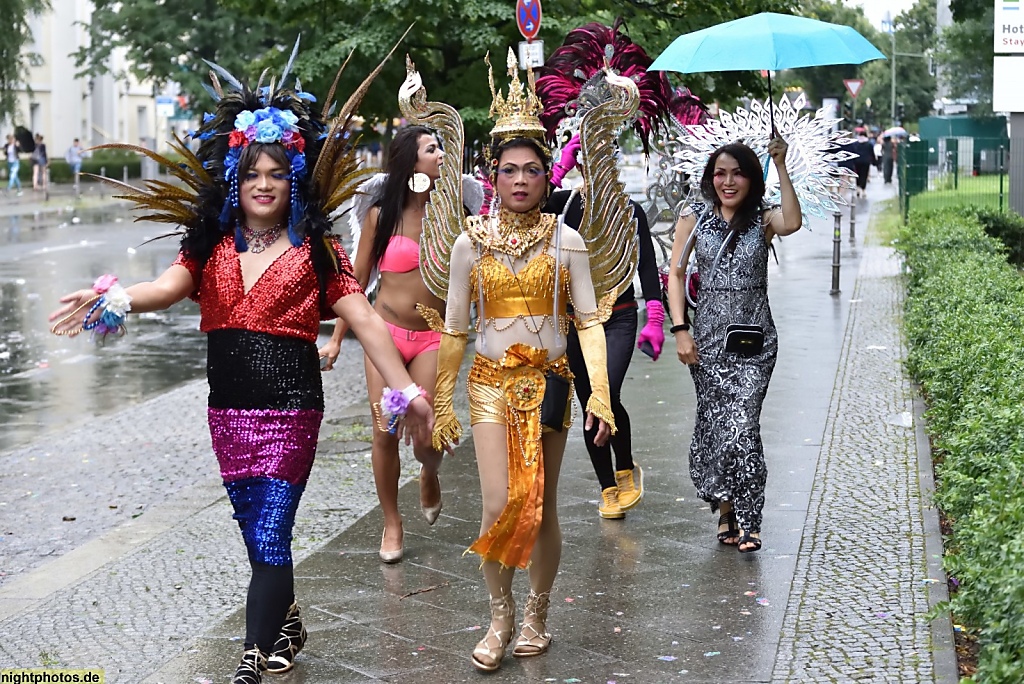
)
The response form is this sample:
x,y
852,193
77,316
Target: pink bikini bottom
x,y
412,343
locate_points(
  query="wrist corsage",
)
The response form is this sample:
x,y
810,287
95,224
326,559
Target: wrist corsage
x,y
114,304
394,404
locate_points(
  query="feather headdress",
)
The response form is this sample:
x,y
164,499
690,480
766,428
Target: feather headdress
x,y
572,79
324,169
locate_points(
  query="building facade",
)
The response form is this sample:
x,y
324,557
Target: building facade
x,y
114,107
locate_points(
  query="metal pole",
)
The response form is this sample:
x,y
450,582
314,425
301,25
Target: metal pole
x,y
837,235
124,173
892,104
853,224
1002,168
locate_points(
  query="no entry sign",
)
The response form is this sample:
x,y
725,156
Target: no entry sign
x,y
528,18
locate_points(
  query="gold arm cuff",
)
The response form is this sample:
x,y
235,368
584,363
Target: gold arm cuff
x,y
454,333
447,429
600,409
431,316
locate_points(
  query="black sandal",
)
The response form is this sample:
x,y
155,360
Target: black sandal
x,y
747,539
733,530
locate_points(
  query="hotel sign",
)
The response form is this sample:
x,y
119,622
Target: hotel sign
x,y
1009,27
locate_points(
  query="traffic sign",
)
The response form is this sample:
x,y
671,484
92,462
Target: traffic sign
x,y
531,55
528,18
853,86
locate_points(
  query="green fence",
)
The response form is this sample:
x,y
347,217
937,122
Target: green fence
x,y
952,172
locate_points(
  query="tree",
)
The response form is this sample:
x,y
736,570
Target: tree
x,y
168,41
915,83
448,40
14,59
966,55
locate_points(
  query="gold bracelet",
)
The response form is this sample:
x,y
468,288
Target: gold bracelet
x,y
69,317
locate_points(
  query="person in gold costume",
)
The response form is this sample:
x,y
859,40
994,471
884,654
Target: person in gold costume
x,y
520,268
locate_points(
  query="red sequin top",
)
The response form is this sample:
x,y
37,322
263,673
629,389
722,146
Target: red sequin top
x,y
284,301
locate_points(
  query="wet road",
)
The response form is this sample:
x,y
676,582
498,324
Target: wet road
x,y
48,381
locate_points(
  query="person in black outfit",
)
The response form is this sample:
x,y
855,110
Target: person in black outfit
x,y
621,488
865,152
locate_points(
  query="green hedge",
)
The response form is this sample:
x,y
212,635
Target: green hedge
x,y
965,328
113,161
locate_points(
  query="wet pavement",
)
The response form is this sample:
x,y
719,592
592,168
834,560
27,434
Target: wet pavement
x,y
150,590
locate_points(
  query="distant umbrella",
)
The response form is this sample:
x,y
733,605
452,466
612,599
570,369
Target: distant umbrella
x,y
895,132
24,138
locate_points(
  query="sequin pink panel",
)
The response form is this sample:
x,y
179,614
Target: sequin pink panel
x,y
264,443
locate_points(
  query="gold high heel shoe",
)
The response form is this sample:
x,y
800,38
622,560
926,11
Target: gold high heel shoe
x,y
251,668
535,617
485,656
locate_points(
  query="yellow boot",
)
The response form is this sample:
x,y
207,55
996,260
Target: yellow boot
x,y
631,489
609,507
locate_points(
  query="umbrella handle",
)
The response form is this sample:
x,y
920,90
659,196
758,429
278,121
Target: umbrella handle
x,y
771,106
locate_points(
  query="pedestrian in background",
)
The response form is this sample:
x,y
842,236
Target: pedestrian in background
x,y
40,163
865,152
257,255
732,351
888,157
74,159
11,150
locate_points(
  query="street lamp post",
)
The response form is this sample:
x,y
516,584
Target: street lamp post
x,y
887,27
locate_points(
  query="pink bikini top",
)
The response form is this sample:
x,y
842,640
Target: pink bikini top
x,y
401,256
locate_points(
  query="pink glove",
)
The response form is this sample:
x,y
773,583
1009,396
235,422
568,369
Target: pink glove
x,y
567,162
653,332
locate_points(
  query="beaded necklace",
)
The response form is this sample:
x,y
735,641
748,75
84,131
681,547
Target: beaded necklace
x,y
259,240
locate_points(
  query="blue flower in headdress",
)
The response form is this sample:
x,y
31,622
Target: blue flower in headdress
x,y
231,161
207,135
305,96
298,166
207,117
244,119
268,132
288,117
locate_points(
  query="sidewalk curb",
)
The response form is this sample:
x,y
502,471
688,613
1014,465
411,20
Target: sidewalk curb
x,y
943,643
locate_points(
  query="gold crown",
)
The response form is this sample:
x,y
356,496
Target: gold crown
x,y
517,115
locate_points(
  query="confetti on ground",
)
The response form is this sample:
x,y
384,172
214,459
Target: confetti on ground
x,y
744,612
618,612
750,593
617,630
203,680
929,581
472,629
667,659
569,599
717,627
680,499
675,643
571,680
712,654
881,615
684,585
737,638
763,602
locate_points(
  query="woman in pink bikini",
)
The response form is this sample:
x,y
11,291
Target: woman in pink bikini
x,y
389,221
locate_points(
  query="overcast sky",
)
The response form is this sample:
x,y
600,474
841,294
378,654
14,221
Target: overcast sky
x,y
875,10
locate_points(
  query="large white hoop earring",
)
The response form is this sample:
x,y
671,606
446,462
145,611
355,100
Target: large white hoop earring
x,y
419,182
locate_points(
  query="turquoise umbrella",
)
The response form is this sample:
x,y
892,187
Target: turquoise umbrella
x,y
766,41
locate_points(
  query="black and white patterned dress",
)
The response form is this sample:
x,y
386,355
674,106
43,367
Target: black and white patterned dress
x,y
726,455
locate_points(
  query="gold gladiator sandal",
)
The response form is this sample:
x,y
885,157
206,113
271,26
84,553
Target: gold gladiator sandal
x,y
251,669
491,649
631,489
609,508
289,642
534,639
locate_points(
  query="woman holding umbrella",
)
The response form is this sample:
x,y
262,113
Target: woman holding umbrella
x,y
730,230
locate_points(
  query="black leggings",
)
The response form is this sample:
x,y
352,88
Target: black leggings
x,y
620,336
271,592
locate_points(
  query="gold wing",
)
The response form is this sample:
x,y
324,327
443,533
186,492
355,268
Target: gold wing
x,y
442,221
608,226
